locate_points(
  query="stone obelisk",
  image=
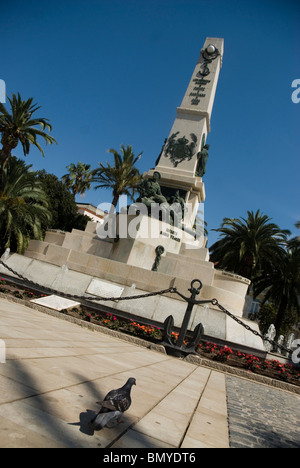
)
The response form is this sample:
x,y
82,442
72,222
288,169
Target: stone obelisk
x,y
182,162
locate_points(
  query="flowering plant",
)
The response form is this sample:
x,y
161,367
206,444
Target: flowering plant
x,y
144,330
252,362
175,337
272,368
3,283
224,354
112,322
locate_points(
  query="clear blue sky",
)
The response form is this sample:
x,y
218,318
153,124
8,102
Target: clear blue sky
x,y
108,72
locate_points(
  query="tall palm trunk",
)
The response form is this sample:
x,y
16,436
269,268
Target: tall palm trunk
x,y
281,314
114,203
3,158
8,144
247,265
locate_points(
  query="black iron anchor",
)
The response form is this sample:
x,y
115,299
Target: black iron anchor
x,y
179,349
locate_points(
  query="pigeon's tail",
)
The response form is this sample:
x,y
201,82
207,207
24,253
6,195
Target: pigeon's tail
x,y
102,420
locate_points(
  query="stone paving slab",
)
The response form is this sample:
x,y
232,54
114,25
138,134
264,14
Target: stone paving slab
x,y
210,423
56,371
56,302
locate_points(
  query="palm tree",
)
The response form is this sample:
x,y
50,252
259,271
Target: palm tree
x,y
23,206
295,241
122,177
19,126
79,178
248,245
281,284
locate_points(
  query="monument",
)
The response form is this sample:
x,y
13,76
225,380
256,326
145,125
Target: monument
x,y
182,162
155,243
175,187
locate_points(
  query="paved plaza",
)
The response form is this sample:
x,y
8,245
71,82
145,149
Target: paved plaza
x,y
56,371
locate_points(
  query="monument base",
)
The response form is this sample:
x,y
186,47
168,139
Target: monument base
x,y
133,261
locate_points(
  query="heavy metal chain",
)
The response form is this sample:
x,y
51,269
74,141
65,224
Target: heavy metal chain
x,y
85,297
142,296
255,332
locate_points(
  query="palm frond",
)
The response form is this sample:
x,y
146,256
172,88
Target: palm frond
x,y
19,126
123,176
23,205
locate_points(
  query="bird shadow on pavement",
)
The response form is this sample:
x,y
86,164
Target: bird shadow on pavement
x,y
85,418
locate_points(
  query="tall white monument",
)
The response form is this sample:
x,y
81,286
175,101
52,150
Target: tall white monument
x,y
182,162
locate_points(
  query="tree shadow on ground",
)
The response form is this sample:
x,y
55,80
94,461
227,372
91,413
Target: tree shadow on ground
x,y
38,408
40,413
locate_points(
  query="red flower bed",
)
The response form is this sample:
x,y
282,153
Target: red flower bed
x,y
271,368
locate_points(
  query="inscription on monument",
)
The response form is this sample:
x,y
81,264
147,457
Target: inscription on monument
x,y
197,94
209,54
171,234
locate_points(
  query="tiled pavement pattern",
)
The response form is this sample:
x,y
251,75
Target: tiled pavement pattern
x,y
55,371
261,416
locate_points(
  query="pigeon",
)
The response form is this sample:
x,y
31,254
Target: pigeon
x,y
112,407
